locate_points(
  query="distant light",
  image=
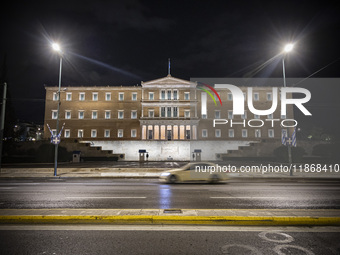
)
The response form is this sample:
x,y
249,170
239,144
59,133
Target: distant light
x,y
56,47
289,47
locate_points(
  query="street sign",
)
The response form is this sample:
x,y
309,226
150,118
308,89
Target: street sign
x,y
55,140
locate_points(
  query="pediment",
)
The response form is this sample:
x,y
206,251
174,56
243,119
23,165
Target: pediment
x,y
166,81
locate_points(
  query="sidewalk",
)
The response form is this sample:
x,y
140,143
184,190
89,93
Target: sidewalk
x,y
232,217
147,173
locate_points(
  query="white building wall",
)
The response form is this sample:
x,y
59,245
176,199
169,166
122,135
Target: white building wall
x,y
162,150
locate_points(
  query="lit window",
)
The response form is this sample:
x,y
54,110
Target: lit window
x,y
67,133
108,96
204,133
81,115
218,133
67,115
93,133
68,96
121,96
106,133
133,133
81,96
120,114
80,133
54,132
120,133
231,133
54,114
107,115
94,115
95,96
134,114
134,97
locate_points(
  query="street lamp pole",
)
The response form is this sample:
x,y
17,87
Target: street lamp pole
x,y
287,49
57,48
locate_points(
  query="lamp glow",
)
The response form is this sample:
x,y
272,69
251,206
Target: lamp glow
x,y
56,47
289,47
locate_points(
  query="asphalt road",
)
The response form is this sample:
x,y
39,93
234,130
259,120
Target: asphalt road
x,y
107,193
92,239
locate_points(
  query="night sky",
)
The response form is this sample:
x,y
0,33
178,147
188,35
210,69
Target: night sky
x,y
126,42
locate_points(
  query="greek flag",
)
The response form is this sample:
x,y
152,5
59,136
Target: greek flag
x,y
294,138
284,137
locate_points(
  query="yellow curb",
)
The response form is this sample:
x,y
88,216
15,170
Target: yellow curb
x,y
171,220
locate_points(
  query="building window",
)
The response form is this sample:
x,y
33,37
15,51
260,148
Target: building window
x,y
257,133
270,116
217,132
54,132
151,113
120,114
270,133
54,114
175,112
81,115
121,96
230,114
93,133
134,114
204,116
95,96
168,112
120,133
269,97
175,94
133,133
162,94
186,95
230,97
256,96
244,116
80,133
244,133
67,133
67,115
187,113
231,133
162,112
55,96
256,116
169,94
94,115
107,115
134,96
107,133
204,133
68,96
107,96
283,116
217,114
151,96
81,96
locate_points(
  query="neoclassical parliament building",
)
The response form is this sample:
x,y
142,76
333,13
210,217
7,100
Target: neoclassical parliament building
x,y
166,117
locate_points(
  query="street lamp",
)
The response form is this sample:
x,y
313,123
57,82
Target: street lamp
x,y
288,48
57,48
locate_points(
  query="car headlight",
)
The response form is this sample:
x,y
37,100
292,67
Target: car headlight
x,y
165,174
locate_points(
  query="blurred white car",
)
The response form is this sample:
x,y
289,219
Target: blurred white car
x,y
192,172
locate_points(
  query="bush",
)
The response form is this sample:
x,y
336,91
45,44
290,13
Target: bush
x,y
45,153
281,153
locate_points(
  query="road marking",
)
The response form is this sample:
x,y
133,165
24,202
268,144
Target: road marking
x,y
110,227
109,197
246,197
